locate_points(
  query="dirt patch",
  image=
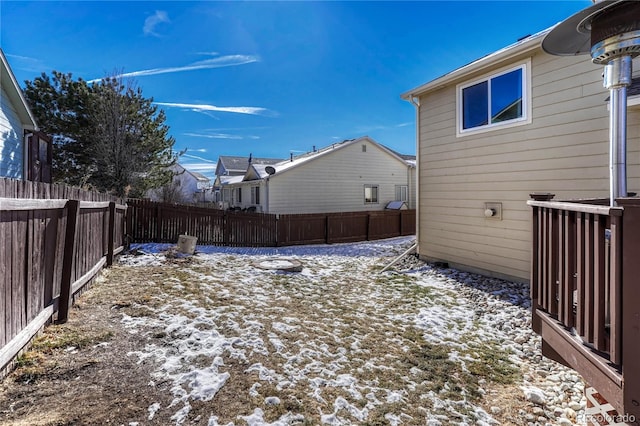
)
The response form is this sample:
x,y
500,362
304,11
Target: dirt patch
x,y
79,373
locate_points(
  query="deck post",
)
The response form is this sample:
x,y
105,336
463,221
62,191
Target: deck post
x,y
534,277
630,305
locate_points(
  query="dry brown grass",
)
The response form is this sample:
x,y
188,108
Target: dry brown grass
x,y
107,386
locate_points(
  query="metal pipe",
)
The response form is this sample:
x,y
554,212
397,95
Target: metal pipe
x,y
617,77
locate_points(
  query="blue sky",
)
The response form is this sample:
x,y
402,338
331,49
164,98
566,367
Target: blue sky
x,y
269,78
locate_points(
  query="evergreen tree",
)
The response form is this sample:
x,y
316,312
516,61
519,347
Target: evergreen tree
x,y
107,135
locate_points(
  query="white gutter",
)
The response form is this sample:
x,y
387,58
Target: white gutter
x,y
528,44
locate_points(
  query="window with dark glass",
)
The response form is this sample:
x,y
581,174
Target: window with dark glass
x,y
498,99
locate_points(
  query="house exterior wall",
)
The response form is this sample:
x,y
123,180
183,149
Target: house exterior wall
x,y
334,182
188,185
564,150
186,188
244,199
11,140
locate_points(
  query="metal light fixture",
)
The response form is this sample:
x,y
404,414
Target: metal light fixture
x,y
610,32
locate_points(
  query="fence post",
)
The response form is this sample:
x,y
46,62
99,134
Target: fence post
x,y
326,229
126,239
73,208
158,224
225,228
112,223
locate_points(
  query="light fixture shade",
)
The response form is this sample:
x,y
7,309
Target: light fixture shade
x,y
573,35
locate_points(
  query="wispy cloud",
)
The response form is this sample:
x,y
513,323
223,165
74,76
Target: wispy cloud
x,y
408,123
217,135
25,63
366,129
214,135
196,157
219,62
214,108
153,21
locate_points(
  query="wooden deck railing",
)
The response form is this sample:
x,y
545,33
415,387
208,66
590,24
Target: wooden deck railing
x,y
583,254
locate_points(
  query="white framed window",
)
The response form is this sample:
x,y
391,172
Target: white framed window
x,y
239,195
226,196
255,195
498,100
402,193
371,194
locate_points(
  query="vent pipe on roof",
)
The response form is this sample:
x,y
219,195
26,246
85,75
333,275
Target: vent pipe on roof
x,y
250,158
291,156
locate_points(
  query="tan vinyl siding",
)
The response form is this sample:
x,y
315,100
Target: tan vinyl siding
x,y
334,182
564,150
11,140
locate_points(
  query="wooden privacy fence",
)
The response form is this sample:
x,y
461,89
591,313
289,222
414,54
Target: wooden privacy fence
x,y
149,221
54,239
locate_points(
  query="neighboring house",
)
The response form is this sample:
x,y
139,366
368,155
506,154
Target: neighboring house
x,y
186,187
490,133
235,166
224,195
353,175
231,166
18,131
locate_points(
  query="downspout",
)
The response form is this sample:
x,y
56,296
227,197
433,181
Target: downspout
x,y
266,194
416,103
409,198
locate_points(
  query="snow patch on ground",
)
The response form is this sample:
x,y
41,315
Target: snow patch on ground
x,y
316,329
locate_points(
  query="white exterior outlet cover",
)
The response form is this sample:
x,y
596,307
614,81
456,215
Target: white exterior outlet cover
x,y
493,210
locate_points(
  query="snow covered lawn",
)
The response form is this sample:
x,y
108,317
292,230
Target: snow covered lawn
x,y
337,343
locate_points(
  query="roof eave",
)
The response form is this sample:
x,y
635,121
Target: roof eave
x,y
14,92
531,43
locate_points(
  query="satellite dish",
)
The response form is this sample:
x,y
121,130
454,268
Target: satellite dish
x,y
270,170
